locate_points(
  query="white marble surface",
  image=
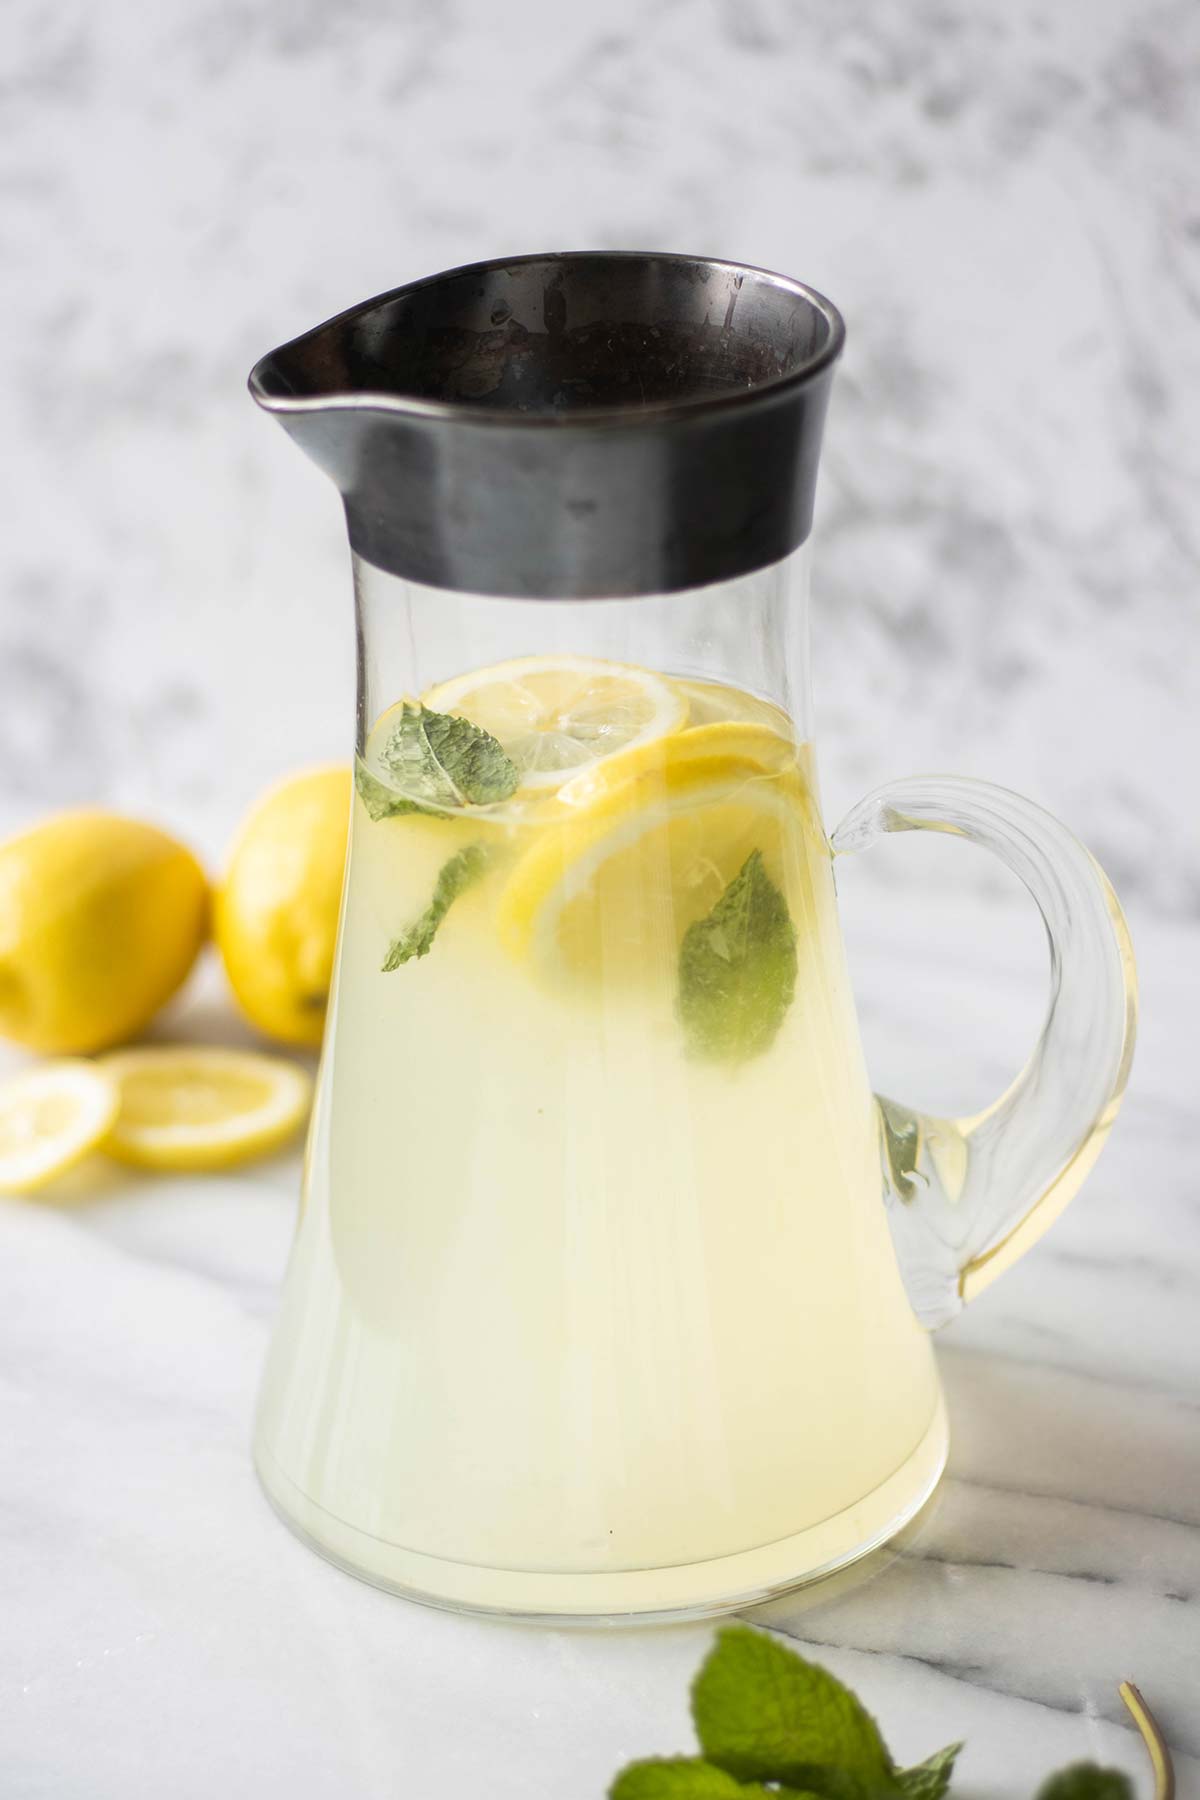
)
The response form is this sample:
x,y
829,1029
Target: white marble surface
x,y
1000,194
163,1633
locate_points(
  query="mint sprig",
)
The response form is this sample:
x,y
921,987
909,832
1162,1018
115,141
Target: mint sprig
x,y
763,1714
691,1778
929,1780
462,871
901,1133
440,764
737,969
439,759
1086,1781
676,1778
771,1724
381,801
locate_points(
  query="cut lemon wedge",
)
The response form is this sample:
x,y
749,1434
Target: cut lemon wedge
x,y
557,715
50,1117
610,891
195,1108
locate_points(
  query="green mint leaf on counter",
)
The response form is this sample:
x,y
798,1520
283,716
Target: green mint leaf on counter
x,y
764,1714
737,969
677,1778
1087,1781
461,872
441,760
775,1727
690,1778
929,1780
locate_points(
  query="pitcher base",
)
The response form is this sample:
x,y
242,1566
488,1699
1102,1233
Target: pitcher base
x,y
620,1596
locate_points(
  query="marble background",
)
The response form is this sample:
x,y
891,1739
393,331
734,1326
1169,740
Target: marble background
x,y
1000,194
1002,198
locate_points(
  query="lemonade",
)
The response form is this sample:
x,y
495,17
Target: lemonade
x,y
593,1302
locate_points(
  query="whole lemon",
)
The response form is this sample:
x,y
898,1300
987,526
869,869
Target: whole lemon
x,y
277,909
101,918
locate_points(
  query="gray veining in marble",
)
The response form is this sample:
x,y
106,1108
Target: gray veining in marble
x,y
1002,199
1000,196
183,1636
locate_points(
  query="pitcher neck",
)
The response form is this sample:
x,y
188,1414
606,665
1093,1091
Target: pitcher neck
x,y
750,634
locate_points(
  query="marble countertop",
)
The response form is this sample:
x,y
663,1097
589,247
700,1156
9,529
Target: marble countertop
x,y
162,1632
1001,199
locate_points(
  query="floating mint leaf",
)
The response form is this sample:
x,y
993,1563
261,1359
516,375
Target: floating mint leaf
x,y
383,802
1087,1781
737,968
901,1146
481,770
441,760
929,1780
764,1714
409,757
690,1778
454,878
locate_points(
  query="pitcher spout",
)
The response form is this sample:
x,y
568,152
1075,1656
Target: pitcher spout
x,y
586,425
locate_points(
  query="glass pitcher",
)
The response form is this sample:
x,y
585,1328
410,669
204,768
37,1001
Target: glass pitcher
x,y
613,1283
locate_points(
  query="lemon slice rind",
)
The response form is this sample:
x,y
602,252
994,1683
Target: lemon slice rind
x,y
724,744
624,707
562,863
51,1146
710,702
192,1131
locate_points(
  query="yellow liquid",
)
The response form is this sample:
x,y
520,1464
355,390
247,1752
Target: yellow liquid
x,y
569,1300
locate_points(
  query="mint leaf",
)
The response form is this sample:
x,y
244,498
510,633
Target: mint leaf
x,y
454,878
689,1778
1087,1781
737,968
764,1714
383,802
929,1780
901,1146
775,1727
409,756
677,1778
482,771
445,761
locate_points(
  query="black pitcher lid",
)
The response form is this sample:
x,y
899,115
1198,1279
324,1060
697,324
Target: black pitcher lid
x,y
581,424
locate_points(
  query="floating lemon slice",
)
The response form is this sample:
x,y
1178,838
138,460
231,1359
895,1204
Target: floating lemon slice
x,y
609,892
50,1117
557,715
724,744
711,701
193,1108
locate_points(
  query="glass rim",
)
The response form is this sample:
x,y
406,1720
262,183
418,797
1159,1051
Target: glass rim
x,y
268,389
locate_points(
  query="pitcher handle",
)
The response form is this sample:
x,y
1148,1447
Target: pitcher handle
x,y
967,1197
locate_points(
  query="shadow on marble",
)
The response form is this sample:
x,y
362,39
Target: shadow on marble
x,y
1059,1557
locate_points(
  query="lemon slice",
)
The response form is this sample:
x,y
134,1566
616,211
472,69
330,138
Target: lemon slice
x,y
609,893
191,1108
50,1117
723,744
556,715
710,701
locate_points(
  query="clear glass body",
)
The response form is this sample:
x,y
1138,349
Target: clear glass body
x,y
593,1307
611,1286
